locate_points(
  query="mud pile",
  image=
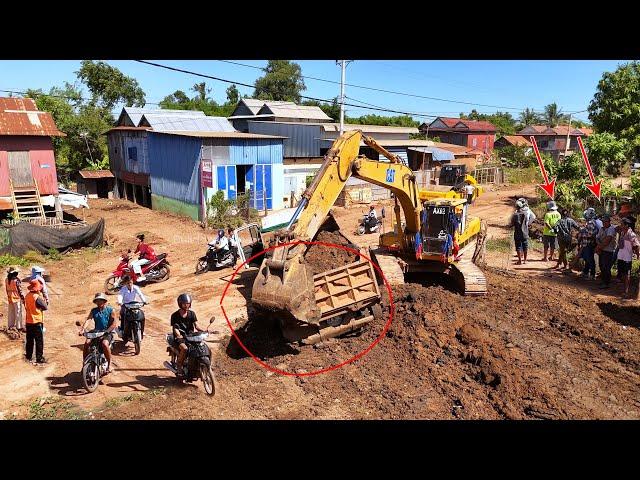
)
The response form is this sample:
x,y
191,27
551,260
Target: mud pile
x,y
320,258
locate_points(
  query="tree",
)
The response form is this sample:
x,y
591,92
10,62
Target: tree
x,y
552,115
233,95
398,121
331,109
202,91
607,153
109,86
282,81
615,107
516,156
177,100
505,124
528,117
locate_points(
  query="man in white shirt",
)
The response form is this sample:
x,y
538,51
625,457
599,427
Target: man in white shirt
x,y
128,293
628,244
469,189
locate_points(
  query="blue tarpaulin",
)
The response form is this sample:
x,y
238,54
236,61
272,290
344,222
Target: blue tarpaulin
x,y
438,154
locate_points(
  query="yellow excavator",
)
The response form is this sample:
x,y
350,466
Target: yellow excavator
x,y
437,236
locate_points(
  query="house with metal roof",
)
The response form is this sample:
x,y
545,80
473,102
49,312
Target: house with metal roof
x,y
177,161
478,135
274,111
553,140
27,159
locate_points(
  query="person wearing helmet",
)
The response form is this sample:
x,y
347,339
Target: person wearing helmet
x,y
183,321
37,274
35,305
587,244
628,244
520,225
221,245
145,255
104,319
549,236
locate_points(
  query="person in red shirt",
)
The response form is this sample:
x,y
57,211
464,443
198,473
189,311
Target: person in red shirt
x,y
145,255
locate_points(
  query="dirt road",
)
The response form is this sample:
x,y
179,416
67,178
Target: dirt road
x,y
539,345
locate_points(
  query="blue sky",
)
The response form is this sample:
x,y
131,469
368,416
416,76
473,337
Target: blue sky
x,y
500,83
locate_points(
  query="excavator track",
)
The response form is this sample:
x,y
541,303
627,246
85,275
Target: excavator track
x,y
469,278
389,264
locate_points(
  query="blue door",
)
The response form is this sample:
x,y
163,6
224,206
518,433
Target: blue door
x,y
259,187
232,186
268,185
221,175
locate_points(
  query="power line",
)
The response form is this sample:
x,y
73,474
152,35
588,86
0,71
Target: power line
x,y
390,91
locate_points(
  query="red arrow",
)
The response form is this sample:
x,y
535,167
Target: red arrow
x,y
550,188
594,187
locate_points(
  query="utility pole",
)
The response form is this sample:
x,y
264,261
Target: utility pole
x,y
84,135
566,147
343,67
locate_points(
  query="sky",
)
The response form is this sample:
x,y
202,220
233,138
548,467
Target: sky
x,y
487,86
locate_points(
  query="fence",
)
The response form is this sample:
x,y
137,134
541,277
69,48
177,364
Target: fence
x,y
487,175
424,178
43,222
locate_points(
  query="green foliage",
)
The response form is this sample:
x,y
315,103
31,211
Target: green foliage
x,y
109,86
179,100
223,213
615,107
53,408
233,95
9,260
553,115
398,121
102,164
33,257
54,254
517,156
528,117
282,81
571,168
522,175
504,121
635,188
607,153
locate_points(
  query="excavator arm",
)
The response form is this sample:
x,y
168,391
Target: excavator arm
x,y
283,283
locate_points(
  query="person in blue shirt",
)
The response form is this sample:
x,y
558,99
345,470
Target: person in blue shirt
x,y
104,319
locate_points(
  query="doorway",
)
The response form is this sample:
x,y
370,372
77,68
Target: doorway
x,y
241,177
20,169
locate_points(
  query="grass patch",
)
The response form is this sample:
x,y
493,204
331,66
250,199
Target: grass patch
x,y
523,175
33,257
9,260
116,401
54,408
53,254
502,244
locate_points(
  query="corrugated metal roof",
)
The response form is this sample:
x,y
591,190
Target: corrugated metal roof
x,y
209,134
20,116
516,140
467,125
136,113
438,154
124,128
96,174
395,143
335,127
166,122
557,130
292,110
255,105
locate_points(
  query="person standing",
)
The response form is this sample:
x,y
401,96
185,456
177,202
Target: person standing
x,y
549,236
469,189
37,273
15,300
35,306
565,240
605,246
587,244
530,215
628,244
520,224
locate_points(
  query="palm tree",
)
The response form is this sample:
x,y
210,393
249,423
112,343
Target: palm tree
x,y
528,117
553,115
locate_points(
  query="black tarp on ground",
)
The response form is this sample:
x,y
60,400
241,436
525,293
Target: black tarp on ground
x,y
25,236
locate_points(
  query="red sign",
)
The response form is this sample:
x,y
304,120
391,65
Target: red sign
x,y
207,173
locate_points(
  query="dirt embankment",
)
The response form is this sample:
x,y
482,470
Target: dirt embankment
x,y
512,354
320,258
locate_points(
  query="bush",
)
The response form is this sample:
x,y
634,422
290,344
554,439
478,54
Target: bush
x,y
522,175
9,260
223,213
516,156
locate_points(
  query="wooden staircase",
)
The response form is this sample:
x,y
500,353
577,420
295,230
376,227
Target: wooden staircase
x,y
26,201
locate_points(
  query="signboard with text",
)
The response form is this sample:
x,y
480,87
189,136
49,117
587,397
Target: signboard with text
x,y
207,173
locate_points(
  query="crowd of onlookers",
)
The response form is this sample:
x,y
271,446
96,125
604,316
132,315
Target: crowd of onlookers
x,y
596,236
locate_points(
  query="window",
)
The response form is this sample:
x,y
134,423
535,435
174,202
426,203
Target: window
x,y
474,142
133,153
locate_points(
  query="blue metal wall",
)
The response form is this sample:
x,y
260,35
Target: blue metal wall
x,y
175,166
301,140
255,151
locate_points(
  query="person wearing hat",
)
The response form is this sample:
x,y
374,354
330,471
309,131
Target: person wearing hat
x,y
565,239
628,244
530,215
104,319
605,246
549,236
35,305
37,274
587,244
145,255
15,300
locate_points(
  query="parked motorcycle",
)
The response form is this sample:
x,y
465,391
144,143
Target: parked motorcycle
x,y
197,364
95,363
366,225
133,325
212,260
156,271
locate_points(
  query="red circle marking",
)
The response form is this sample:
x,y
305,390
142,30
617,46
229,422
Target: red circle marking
x,y
333,367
